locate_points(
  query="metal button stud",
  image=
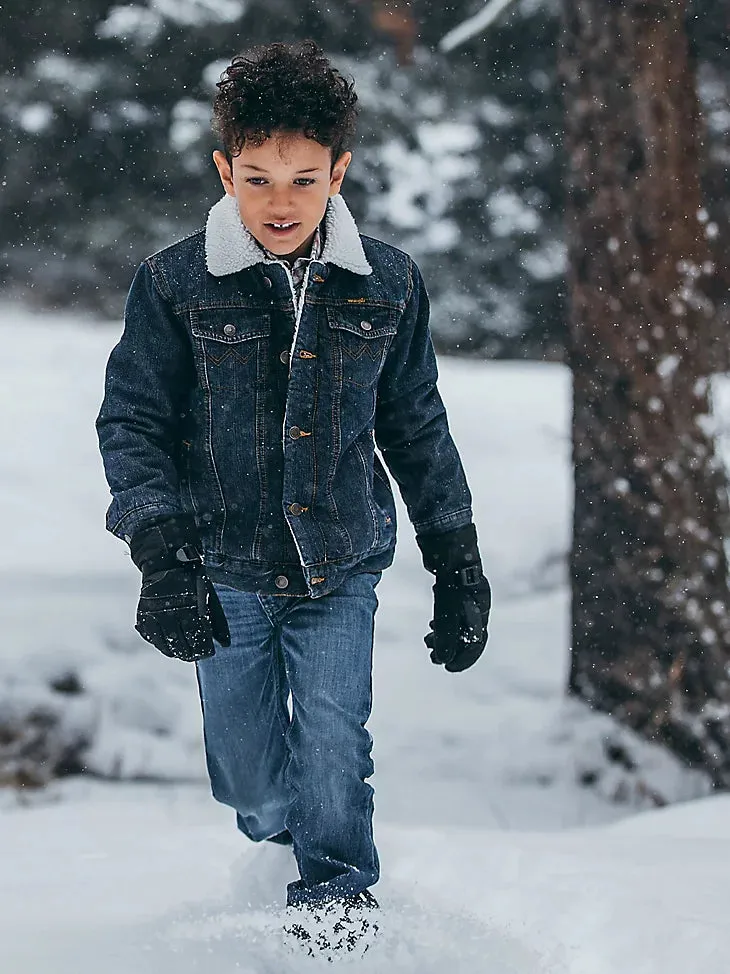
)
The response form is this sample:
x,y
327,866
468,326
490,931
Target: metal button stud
x,y
296,509
366,326
229,330
281,581
268,282
284,357
295,432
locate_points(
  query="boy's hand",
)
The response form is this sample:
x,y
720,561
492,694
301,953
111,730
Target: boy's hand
x,y
462,598
459,625
179,611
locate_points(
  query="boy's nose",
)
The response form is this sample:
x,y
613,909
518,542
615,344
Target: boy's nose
x,y
281,201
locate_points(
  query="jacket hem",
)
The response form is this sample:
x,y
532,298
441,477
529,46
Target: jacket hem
x,y
261,577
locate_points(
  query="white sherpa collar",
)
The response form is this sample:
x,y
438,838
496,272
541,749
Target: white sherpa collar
x,y
230,246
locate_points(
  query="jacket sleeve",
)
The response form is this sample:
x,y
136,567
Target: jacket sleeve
x,y
411,428
149,376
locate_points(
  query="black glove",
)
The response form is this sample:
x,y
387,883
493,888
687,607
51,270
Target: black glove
x,y
179,611
462,598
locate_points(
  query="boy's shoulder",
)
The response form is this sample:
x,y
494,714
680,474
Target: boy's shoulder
x,y
180,268
383,251
182,258
392,265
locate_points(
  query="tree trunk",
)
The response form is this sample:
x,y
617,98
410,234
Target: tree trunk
x,y
651,620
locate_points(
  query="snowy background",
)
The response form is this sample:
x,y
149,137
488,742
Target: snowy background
x,y
459,157
518,832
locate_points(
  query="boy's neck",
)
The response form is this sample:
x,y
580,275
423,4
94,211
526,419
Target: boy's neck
x,y
304,250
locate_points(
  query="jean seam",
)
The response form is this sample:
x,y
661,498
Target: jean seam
x,y
292,788
265,609
277,660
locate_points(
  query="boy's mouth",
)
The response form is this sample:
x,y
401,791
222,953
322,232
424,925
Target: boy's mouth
x,y
281,229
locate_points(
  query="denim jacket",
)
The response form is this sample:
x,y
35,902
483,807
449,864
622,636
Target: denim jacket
x,y
228,399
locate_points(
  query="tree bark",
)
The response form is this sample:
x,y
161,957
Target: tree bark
x,y
650,617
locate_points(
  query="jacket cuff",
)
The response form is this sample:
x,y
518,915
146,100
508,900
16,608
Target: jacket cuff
x,y
451,551
158,545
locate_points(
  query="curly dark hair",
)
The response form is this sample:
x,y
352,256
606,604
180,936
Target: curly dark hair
x,y
284,88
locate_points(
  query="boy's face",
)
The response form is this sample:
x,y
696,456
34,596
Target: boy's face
x,y
287,180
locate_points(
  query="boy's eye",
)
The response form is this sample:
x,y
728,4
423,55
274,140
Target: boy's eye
x,y
300,181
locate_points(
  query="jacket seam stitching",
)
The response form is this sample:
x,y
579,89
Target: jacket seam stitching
x,y
209,437
160,282
368,494
411,284
260,436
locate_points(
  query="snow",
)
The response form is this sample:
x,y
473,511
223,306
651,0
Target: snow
x,y
422,181
190,123
148,880
545,263
200,12
69,72
496,114
36,117
131,23
433,136
667,366
212,72
518,832
133,112
142,24
509,214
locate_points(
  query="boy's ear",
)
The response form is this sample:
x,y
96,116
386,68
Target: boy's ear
x,y
224,171
338,172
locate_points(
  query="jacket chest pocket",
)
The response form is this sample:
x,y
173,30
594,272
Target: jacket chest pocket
x,y
362,336
228,343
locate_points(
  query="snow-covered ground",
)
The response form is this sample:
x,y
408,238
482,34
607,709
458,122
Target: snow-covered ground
x,y
513,825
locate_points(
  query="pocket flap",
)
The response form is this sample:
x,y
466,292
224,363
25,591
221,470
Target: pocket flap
x,y
230,325
363,321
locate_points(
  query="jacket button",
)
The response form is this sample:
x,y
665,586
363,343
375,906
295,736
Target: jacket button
x,y
284,357
366,325
281,581
296,509
268,282
229,330
295,432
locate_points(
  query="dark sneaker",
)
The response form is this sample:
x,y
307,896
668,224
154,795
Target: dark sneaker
x,y
333,928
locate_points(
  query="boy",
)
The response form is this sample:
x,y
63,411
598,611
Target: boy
x,y
261,361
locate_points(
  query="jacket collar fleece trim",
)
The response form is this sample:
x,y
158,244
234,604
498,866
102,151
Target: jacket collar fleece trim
x,y
230,247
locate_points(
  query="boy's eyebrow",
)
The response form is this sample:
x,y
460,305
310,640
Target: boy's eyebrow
x,y
249,165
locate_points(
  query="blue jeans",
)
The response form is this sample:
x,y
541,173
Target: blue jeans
x,y
305,774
